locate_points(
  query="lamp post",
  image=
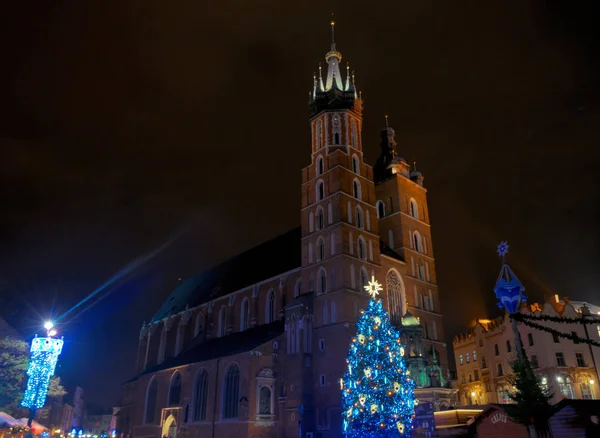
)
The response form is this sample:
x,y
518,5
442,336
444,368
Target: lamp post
x,y
509,291
44,355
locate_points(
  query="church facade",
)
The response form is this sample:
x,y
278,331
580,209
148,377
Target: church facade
x,y
256,346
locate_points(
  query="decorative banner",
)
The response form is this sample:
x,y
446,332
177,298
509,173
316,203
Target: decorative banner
x,y
44,355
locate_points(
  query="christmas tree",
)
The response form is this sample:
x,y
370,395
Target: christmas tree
x,y
378,397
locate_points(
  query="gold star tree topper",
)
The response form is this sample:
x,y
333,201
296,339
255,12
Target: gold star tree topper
x,y
373,288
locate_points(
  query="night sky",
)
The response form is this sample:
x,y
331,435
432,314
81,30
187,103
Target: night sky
x,y
171,136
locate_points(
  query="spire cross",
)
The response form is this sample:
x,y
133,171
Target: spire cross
x,y
332,23
386,121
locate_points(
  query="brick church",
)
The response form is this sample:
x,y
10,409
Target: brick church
x,y
255,347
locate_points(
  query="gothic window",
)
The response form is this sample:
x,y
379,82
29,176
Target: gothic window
x,y
336,130
356,188
364,278
332,243
151,401
362,248
322,281
330,213
359,217
198,325
320,219
311,222
380,209
175,390
414,209
320,190
390,205
320,249
200,395
270,310
245,316
231,390
319,134
310,252
264,404
222,322
396,296
417,242
355,164
319,166
298,288
354,134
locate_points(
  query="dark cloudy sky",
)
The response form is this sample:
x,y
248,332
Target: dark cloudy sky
x,y
129,124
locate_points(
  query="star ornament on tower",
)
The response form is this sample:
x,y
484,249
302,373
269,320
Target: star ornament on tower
x,y
373,288
502,249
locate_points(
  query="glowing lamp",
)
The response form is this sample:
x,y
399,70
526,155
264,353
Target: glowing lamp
x,y
48,325
592,381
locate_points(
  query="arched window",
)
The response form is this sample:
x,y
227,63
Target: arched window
x,y
355,164
417,242
364,278
380,209
311,222
322,281
199,324
150,411
200,396
175,390
264,404
319,166
310,252
320,190
356,187
336,138
245,316
325,313
390,205
270,311
359,217
414,209
362,248
320,219
222,322
320,249
231,390
298,288
396,296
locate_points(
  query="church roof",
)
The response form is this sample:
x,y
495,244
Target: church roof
x,y
276,256
235,343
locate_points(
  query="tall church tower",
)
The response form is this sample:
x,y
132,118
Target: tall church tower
x,y
405,228
340,240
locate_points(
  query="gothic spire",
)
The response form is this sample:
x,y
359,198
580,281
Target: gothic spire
x,y
333,58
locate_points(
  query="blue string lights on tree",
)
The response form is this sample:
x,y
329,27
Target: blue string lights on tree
x,y
378,398
44,355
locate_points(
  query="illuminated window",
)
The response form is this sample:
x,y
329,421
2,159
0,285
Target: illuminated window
x,y
417,242
414,209
468,358
460,359
474,355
